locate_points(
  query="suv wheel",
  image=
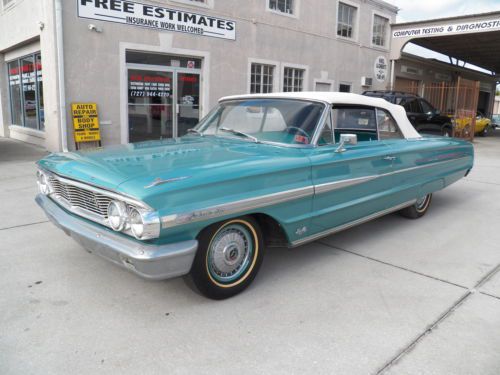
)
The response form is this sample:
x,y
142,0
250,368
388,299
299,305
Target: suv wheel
x,y
447,132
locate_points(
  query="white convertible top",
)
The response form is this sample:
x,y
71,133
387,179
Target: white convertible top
x,y
397,111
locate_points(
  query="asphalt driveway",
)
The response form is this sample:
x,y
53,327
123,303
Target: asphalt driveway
x,y
391,296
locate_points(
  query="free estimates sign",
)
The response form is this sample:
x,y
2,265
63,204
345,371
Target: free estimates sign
x,y
156,17
85,122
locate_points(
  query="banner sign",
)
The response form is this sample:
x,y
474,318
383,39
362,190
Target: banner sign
x,y
458,28
380,68
156,17
85,122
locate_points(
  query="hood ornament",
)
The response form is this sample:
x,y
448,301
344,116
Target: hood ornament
x,y
160,181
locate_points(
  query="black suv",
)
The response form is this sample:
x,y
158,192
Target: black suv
x,y
422,115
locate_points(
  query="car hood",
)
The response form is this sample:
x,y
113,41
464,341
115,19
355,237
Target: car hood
x,y
142,168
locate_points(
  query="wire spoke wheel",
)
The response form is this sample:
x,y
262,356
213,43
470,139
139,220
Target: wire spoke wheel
x,y
230,253
228,258
418,209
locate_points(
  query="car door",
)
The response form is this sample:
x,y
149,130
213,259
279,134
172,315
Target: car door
x,y
416,170
353,183
414,112
431,120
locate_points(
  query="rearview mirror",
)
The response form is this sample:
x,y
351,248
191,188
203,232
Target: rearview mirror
x,y
346,139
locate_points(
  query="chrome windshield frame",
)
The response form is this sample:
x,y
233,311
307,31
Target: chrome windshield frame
x,y
314,138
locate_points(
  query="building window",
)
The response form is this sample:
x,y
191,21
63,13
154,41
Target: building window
x,y
344,87
293,79
345,20
379,30
261,78
26,92
283,6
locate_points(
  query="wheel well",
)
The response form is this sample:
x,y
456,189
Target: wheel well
x,y
274,235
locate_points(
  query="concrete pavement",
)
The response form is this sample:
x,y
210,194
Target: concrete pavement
x,y
391,296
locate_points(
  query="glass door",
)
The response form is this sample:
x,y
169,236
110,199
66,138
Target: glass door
x,y
188,101
150,104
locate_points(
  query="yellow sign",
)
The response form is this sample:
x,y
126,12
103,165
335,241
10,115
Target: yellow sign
x,y
85,122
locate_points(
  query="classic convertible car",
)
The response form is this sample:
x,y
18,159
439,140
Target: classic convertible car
x,y
258,171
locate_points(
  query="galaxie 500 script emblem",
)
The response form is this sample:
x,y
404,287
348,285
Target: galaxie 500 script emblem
x,y
156,17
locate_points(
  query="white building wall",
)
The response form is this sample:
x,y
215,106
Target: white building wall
x,y
94,62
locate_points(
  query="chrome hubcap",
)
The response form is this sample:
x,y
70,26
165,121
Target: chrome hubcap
x,y
421,202
230,253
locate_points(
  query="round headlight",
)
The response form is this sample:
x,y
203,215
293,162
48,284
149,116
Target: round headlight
x,y
117,215
43,183
136,223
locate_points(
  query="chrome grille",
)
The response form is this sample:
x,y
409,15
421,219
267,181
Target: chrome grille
x,y
81,198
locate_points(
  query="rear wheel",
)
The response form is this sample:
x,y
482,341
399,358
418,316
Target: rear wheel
x,y
485,131
447,132
228,258
418,209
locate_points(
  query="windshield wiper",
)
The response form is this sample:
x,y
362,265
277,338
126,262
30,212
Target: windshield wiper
x,y
195,132
241,134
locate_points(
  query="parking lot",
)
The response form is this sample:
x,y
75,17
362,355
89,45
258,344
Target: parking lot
x,y
391,296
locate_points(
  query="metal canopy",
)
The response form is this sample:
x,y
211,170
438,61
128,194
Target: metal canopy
x,y
480,49
474,38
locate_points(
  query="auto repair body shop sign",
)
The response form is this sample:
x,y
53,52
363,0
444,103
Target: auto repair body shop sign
x,y
156,17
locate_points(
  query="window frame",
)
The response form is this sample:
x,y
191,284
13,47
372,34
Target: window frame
x,y
387,39
22,98
275,80
292,85
295,9
377,109
367,107
355,33
344,83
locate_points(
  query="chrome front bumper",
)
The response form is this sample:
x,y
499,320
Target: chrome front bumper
x,y
156,262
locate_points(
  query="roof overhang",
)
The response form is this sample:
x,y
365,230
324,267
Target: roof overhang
x,y
474,39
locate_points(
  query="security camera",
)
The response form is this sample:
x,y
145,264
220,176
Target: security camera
x,y
93,27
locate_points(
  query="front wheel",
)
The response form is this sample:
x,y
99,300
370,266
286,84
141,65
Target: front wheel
x,y
228,258
418,209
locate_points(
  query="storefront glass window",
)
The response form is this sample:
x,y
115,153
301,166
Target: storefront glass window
x,y
28,77
150,105
26,92
39,79
15,93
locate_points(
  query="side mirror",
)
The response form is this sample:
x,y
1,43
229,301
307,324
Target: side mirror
x,y
346,139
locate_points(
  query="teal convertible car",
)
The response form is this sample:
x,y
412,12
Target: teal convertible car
x,y
258,171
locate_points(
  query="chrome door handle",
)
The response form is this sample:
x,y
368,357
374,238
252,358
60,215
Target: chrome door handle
x,y
390,158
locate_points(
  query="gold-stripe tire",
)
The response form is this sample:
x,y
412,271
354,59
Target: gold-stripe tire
x,y
419,209
207,277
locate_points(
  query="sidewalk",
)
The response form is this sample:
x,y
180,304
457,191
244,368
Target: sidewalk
x,y
392,296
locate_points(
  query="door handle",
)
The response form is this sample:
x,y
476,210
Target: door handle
x,y
390,158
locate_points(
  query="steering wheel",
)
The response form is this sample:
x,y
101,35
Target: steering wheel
x,y
300,130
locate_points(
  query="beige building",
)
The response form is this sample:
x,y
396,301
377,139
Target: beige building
x,y
155,67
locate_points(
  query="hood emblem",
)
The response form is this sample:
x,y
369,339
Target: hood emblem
x,y
160,181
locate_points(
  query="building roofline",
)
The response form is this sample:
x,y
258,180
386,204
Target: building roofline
x,y
487,14
387,5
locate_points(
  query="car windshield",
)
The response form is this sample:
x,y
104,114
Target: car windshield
x,y
283,121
